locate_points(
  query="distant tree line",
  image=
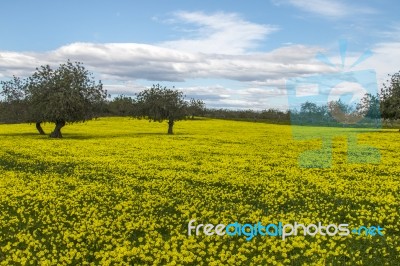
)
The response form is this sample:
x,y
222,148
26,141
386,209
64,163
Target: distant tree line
x,y
69,94
123,105
270,115
156,104
369,111
335,113
366,113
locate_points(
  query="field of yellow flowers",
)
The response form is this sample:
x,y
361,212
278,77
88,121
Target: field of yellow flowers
x,y
118,191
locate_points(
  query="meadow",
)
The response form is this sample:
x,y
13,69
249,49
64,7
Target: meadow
x,y
118,191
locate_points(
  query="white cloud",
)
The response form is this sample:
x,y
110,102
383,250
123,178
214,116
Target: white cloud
x,y
384,60
331,9
18,64
128,88
327,8
130,61
218,96
307,90
263,74
219,33
347,88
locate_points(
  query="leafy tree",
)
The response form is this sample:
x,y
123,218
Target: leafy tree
x,y
159,104
312,113
270,115
15,106
344,113
122,106
196,107
13,100
369,107
390,98
14,89
308,108
67,94
64,95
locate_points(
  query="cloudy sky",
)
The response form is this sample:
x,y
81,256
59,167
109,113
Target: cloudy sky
x,y
231,54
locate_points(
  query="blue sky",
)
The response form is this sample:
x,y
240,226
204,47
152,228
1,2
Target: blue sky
x,y
231,54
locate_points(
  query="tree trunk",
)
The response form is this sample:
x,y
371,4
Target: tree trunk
x,y
170,126
57,130
39,128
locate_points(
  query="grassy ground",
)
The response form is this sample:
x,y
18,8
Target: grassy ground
x,y
117,190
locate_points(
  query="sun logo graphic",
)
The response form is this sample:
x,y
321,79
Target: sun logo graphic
x,y
330,105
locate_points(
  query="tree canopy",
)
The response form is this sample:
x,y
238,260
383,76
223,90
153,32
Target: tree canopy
x,y
390,98
67,94
159,103
14,108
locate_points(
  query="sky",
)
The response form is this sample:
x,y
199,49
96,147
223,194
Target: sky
x,y
230,54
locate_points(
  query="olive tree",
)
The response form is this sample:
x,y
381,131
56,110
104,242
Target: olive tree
x,y
67,94
390,98
196,107
15,107
159,104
